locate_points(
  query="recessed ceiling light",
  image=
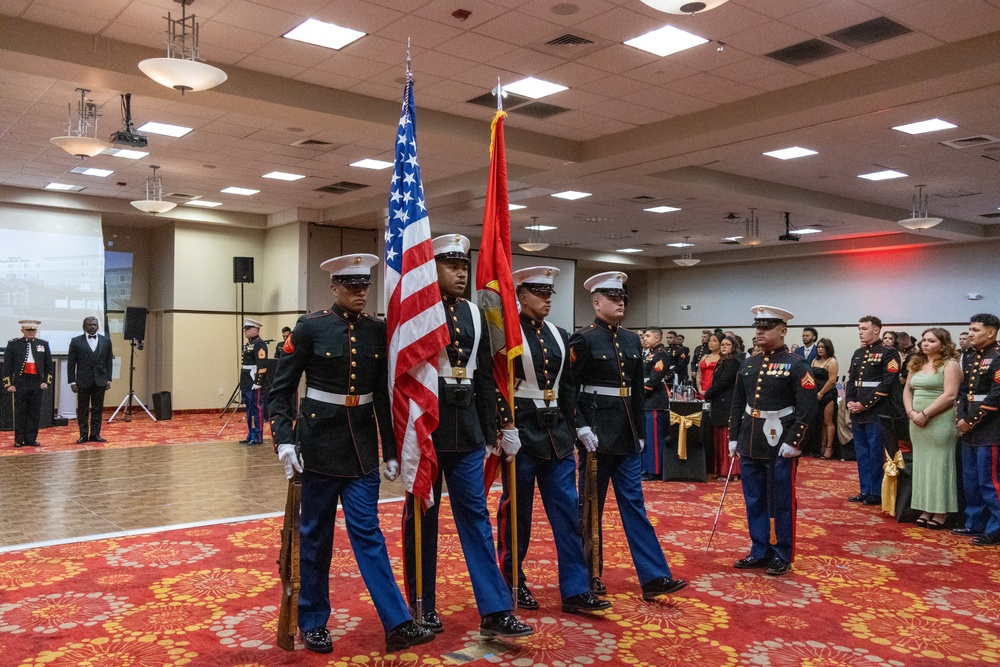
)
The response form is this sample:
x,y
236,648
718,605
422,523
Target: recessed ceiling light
x,y
282,176
239,191
330,35
732,238
541,228
790,153
807,230
571,195
932,125
91,171
629,250
165,129
63,186
203,202
533,88
680,245
515,207
666,40
661,209
883,175
368,163
126,152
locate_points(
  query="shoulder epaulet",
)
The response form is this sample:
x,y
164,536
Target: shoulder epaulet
x,y
373,318
12,340
319,313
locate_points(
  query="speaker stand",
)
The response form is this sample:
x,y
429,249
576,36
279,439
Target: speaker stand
x,y
130,398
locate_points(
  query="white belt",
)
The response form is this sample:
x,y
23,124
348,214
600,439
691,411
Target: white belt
x,y
977,398
349,400
623,392
454,373
770,414
867,384
249,367
536,394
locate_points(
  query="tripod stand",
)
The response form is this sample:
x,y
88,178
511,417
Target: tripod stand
x,y
131,397
237,398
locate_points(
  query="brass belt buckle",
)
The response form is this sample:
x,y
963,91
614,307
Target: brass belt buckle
x,y
548,394
624,392
754,412
972,397
351,401
458,373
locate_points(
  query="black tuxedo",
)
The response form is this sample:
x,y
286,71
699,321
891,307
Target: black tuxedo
x,y
90,371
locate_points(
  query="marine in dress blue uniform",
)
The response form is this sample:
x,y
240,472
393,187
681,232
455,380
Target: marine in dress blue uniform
x,y
606,360
657,373
252,379
979,426
872,380
773,405
545,407
468,413
28,370
342,352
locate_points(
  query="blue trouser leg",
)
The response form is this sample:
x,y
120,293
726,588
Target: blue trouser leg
x,y
359,499
556,482
647,555
869,446
464,473
989,485
429,542
754,473
251,399
976,513
319,515
526,470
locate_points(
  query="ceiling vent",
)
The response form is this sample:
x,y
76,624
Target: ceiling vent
x,y
956,194
868,33
971,142
569,40
565,244
672,230
182,195
570,46
341,187
642,199
805,52
539,110
616,237
311,143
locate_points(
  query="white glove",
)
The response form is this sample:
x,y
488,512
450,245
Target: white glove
x,y
732,448
255,387
391,470
288,456
642,445
788,452
587,436
510,442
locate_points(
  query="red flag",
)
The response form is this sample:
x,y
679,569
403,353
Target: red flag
x,y
493,276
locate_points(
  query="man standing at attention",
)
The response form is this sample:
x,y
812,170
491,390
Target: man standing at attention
x,y
89,369
342,351
873,376
607,367
251,380
28,370
657,376
773,406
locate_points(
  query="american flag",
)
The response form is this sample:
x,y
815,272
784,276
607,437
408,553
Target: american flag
x,y
415,319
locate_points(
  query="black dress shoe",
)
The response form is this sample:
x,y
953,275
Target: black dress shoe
x,y
584,602
872,500
18,445
244,442
406,635
31,444
525,600
987,540
97,438
967,532
432,621
318,640
82,439
597,586
778,567
751,563
503,624
860,498
661,586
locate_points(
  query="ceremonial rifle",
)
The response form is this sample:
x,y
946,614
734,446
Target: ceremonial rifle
x,y
590,513
288,567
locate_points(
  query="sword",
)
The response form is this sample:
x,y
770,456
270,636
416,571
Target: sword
x,y
725,488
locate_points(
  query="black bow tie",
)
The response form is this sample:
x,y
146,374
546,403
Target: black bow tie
x,y
91,335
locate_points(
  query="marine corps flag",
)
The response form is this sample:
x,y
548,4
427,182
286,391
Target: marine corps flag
x,y
493,276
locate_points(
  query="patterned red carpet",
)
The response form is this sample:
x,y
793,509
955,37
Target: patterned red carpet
x,y
864,592
142,431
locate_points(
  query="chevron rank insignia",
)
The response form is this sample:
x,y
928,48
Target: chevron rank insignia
x,y
808,382
892,366
658,366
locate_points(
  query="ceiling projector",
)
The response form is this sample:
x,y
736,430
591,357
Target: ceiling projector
x,y
683,6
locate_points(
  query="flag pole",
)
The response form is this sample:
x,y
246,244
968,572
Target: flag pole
x,y
418,552
512,491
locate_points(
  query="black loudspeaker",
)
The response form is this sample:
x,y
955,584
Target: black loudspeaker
x,y
242,269
135,323
161,405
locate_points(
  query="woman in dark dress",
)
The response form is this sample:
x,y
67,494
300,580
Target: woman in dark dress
x,y
825,369
720,395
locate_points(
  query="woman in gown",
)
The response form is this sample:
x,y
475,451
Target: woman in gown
x,y
706,366
929,398
825,368
720,395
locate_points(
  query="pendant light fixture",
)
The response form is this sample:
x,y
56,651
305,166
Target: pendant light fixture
x,y
751,227
82,142
686,259
181,69
918,217
683,6
534,242
153,203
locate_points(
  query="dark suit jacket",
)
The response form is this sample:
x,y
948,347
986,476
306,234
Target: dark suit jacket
x,y
90,368
720,393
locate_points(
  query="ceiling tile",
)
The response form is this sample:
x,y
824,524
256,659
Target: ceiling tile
x,y
572,74
293,52
786,79
451,91
750,69
364,16
723,21
135,35
521,28
257,17
569,13
527,62
780,8
439,64
843,62
659,72
270,66
767,38
381,92
327,79
615,86
423,32
379,49
352,66
61,18
233,38
902,46
484,77
617,59
620,24
668,101
819,20
441,11
475,47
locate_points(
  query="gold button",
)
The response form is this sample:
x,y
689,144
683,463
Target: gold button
x,y
353,376
376,355
756,395
312,416
354,364
545,349
604,356
328,354
353,339
353,351
457,330
352,388
455,319
451,308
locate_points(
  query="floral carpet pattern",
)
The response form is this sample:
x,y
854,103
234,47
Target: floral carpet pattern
x,y
864,592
